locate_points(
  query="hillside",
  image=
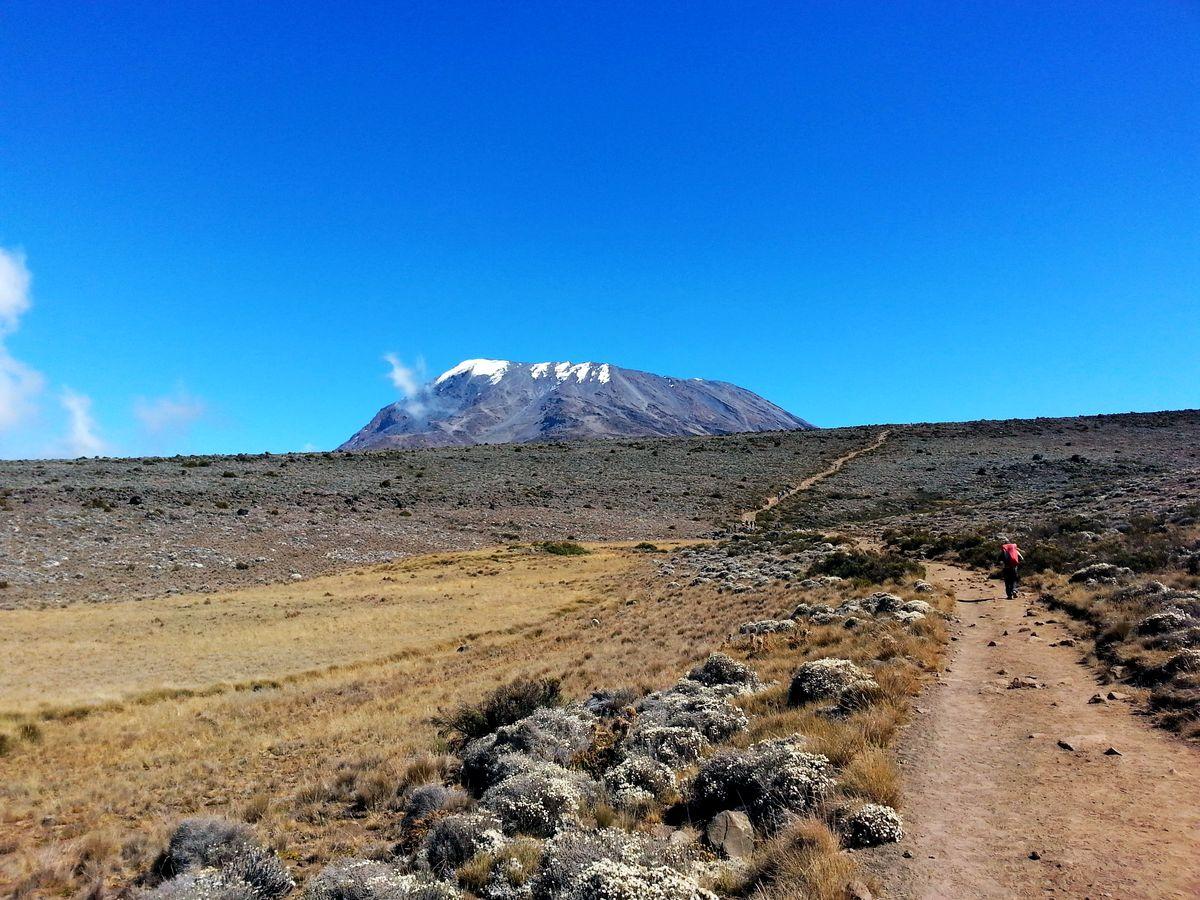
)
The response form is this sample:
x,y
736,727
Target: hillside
x,y
860,710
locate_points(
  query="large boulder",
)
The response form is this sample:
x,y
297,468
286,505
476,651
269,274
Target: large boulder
x,y
731,833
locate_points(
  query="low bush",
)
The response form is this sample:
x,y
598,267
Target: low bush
x,y
504,706
867,566
564,548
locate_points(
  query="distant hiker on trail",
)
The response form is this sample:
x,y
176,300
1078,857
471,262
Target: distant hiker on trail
x,y
1010,558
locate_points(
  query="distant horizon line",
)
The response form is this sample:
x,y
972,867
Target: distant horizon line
x,y
461,447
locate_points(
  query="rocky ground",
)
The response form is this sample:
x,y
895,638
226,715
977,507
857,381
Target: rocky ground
x,y
109,529
1019,473
116,529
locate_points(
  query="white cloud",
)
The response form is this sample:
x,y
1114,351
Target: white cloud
x,y
82,439
411,382
19,384
14,289
19,388
408,381
168,415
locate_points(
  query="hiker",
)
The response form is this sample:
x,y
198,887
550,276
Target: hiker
x,y
1010,558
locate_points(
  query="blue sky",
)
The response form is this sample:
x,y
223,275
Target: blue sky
x,y
875,212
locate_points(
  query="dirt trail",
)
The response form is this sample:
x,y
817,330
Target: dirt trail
x,y
987,783
834,468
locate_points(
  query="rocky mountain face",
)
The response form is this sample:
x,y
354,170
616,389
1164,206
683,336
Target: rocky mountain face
x,y
490,401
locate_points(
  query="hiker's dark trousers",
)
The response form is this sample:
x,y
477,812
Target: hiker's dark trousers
x,y
1010,581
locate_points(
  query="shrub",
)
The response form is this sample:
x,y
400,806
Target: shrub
x,y
229,848
639,780
675,746
504,706
207,885
454,840
607,704
691,705
866,566
564,548
773,781
364,879
423,805
503,874
537,802
721,671
870,825
571,853
609,879
823,679
549,735
203,843
426,799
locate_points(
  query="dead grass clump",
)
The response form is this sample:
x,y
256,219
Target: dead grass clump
x,y
803,860
363,783
872,775
512,866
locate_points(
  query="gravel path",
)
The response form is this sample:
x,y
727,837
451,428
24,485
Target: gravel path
x,y
989,785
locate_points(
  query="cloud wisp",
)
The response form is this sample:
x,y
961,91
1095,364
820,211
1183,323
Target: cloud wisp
x,y
411,382
82,437
168,416
20,385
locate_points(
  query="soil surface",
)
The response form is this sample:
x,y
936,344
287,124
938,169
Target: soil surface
x,y
989,785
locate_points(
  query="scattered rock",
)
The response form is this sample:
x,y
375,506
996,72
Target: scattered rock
x,y
731,833
1113,751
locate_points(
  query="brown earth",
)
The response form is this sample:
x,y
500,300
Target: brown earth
x,y
989,785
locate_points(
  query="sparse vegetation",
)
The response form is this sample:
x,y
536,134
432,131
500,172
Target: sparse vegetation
x,y
507,704
563,548
867,567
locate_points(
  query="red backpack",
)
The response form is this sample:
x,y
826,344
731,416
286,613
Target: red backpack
x,y
1011,554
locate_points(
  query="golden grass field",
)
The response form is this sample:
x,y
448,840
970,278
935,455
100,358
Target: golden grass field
x,y
88,654
303,706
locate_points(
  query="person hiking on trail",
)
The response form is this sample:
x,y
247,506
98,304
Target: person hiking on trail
x,y
1010,558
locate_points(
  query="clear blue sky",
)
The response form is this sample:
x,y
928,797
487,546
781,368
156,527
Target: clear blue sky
x,y
867,212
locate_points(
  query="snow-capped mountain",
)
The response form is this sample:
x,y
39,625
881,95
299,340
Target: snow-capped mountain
x,y
492,401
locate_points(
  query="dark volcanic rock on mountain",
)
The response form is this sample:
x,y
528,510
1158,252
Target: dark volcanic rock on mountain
x,y
488,401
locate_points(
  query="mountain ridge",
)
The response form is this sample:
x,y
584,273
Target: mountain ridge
x,y
493,401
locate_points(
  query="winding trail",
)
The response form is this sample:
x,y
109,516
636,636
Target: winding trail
x,y
1015,792
752,515
988,784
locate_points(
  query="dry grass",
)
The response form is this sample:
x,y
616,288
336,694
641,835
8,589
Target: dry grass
x,y
82,656
1108,620
317,759
805,861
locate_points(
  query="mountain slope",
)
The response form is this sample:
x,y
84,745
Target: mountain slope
x,y
488,401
